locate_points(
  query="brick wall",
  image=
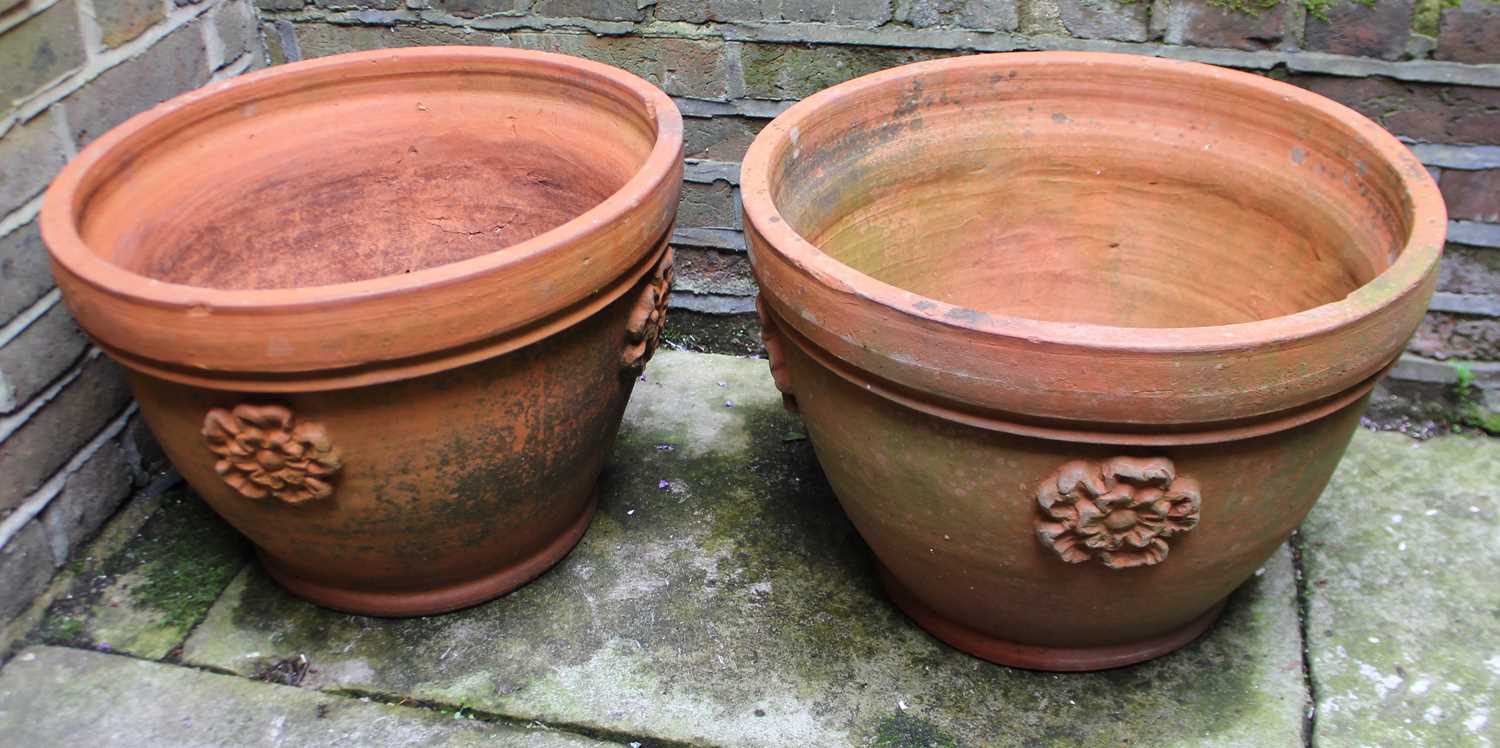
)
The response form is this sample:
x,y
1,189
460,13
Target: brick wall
x,y
1429,71
71,448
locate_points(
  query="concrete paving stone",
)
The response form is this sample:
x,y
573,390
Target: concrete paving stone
x,y
1403,611
721,597
55,696
144,599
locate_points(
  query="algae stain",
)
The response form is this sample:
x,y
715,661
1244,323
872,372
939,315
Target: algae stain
x,y
903,730
192,555
154,589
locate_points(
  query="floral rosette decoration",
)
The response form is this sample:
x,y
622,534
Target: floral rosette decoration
x,y
266,453
1119,511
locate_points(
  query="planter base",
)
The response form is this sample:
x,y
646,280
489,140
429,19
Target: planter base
x,y
444,599
1055,659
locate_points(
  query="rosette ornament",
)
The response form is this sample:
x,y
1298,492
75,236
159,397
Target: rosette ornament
x,y
1120,511
264,452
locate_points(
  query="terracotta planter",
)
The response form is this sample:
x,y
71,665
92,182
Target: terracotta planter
x,y
1079,338
384,310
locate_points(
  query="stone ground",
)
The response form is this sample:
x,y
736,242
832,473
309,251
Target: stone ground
x,y
721,598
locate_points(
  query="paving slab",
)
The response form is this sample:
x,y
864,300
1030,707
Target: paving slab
x,y
1403,606
721,598
56,696
144,598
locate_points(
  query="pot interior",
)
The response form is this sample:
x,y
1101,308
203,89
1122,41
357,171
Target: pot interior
x,y
1103,193
348,178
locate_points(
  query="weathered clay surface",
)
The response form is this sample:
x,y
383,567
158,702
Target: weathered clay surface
x,y
1130,308
399,372
54,696
1399,558
722,598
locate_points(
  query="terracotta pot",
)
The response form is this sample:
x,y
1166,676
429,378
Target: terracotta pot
x,y
1079,338
383,310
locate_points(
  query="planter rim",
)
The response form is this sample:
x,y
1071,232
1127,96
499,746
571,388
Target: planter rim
x,y
1404,276
601,225
956,362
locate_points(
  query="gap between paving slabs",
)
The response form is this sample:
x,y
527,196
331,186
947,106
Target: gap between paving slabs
x,y
722,598
144,599
60,696
1402,607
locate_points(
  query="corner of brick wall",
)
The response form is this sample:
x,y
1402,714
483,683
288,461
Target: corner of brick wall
x,y
71,447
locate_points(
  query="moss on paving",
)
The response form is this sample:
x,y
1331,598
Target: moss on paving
x,y
144,598
722,597
1403,612
901,730
55,696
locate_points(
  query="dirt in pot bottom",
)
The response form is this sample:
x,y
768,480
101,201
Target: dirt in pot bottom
x,y
438,202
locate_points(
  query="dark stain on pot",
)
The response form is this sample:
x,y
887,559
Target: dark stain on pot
x,y
911,100
441,201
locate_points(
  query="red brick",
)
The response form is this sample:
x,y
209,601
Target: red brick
x,y
1472,195
719,138
1469,270
1199,23
1470,32
1353,28
1422,111
1443,336
711,271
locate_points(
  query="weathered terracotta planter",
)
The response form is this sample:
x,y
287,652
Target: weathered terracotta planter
x,y
1079,338
383,310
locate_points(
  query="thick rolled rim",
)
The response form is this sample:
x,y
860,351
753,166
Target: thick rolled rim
x,y
1404,276
62,205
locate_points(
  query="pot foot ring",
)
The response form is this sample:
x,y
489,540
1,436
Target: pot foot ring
x,y
443,599
1032,657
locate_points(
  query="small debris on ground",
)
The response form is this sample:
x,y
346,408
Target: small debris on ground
x,y
287,672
